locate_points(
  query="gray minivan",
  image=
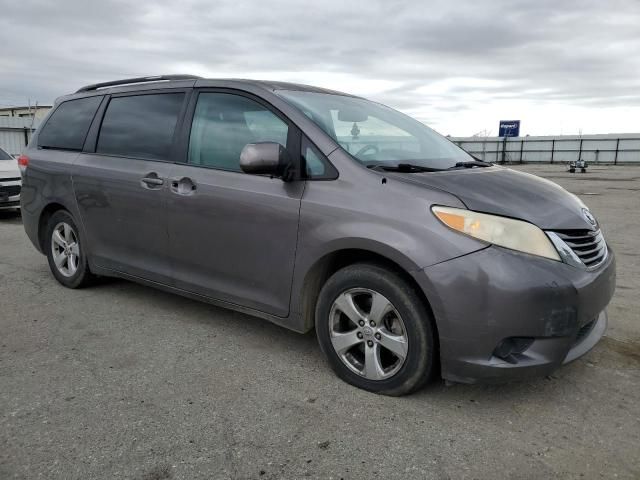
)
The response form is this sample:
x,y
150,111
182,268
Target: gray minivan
x,y
314,208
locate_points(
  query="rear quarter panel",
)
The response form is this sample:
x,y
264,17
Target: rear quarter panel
x,y
47,180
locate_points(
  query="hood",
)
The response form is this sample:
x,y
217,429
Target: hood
x,y
506,192
9,168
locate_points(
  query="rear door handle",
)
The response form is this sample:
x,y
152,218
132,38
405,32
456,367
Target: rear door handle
x,y
183,186
152,180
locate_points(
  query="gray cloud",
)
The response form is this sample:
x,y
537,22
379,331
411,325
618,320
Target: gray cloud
x,y
582,53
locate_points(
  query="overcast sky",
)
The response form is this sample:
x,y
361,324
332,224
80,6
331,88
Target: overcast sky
x,y
560,66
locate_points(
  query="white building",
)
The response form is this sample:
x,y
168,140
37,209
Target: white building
x,y
38,111
15,133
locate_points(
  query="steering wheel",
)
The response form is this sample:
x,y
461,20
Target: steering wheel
x,y
366,148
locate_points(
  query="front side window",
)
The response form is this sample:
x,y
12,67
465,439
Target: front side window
x,y
68,125
375,134
140,126
224,123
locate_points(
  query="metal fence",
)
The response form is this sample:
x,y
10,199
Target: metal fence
x,y
605,149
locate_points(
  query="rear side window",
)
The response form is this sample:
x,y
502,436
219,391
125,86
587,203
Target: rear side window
x,y
140,126
67,127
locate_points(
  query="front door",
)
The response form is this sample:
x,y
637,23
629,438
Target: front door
x,y
232,236
122,187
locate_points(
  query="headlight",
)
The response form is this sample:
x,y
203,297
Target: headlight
x,y
506,232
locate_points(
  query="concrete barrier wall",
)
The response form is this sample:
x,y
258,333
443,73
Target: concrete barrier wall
x,y
606,149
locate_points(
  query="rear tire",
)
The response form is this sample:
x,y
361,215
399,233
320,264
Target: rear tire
x,y
65,251
375,330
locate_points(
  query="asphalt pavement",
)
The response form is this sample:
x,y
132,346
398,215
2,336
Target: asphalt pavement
x,y
124,381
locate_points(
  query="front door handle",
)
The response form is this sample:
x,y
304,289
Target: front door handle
x,y
152,181
183,186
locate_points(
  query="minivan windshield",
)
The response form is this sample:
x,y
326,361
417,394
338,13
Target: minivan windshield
x,y
4,155
375,134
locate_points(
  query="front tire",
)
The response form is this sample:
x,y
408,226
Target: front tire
x,y
65,251
375,331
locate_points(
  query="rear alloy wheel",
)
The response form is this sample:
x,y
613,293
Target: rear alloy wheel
x,y
375,330
65,249
65,254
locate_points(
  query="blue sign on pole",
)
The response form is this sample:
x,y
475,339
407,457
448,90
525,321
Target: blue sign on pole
x,y
509,128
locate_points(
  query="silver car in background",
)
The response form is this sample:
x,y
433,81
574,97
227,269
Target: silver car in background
x,y
10,182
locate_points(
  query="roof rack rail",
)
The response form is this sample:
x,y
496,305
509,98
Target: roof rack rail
x,y
129,81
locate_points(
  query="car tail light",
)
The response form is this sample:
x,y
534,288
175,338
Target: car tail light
x,y
23,162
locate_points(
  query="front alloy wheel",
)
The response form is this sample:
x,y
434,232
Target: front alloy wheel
x,y
368,333
375,330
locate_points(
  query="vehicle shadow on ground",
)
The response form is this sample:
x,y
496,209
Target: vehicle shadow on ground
x,y
568,380
200,312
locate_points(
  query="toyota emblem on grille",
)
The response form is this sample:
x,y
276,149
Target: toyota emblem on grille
x,y
590,218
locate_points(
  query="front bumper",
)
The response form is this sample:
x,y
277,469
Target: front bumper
x,y
10,193
484,298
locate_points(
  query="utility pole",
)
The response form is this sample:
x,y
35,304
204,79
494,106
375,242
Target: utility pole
x,y
33,115
504,149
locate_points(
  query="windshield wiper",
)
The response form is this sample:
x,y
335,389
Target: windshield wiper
x,y
404,168
471,164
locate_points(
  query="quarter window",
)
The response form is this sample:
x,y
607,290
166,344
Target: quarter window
x,y
314,164
140,126
224,123
68,125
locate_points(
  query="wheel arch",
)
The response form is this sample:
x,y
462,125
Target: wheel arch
x,y
331,262
46,213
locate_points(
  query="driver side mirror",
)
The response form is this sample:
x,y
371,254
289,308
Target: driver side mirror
x,y
266,158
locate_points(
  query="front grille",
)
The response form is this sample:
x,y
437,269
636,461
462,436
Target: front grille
x,y
11,179
588,245
10,190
